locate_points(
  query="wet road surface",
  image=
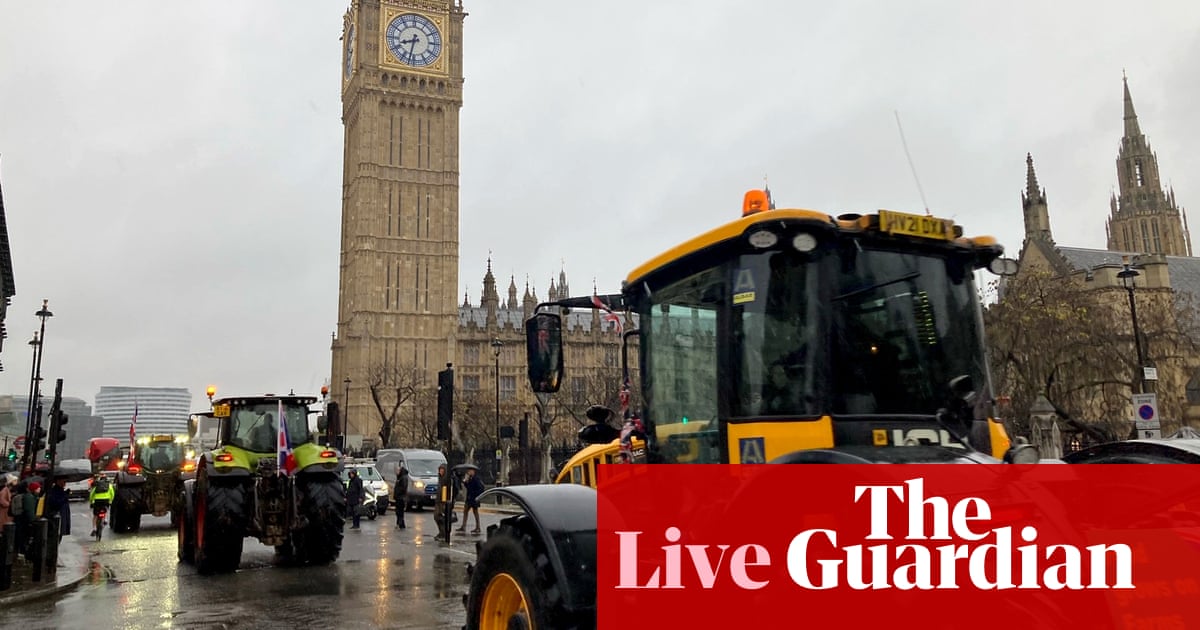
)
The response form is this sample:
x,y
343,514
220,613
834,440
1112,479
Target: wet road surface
x,y
385,577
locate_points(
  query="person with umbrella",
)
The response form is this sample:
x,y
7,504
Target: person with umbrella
x,y
474,488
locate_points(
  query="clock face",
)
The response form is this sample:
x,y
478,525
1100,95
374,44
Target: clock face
x,y
349,50
414,39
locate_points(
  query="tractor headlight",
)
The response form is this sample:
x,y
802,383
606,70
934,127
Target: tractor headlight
x,y
384,488
419,485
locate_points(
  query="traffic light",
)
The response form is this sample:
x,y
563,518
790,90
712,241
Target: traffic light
x,y
61,433
332,423
39,438
523,432
12,454
445,409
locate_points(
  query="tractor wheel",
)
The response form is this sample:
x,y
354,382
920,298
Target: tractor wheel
x,y
382,504
114,517
513,584
220,528
186,539
322,505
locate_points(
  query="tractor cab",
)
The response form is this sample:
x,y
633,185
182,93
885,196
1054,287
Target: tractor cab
x,y
793,330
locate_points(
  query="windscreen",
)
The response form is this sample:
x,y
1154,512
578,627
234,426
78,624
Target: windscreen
x,y
423,467
160,454
254,427
904,326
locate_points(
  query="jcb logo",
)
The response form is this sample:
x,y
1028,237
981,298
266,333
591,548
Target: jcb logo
x,y
916,437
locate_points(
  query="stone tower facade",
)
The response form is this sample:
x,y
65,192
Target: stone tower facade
x,y
1144,217
402,78
1034,206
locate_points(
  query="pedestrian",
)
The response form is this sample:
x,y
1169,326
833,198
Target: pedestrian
x,y
474,488
6,498
354,497
400,495
17,511
58,503
29,512
442,509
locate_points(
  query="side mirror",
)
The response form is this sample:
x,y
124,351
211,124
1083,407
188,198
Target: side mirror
x,y
543,347
1004,267
322,423
598,434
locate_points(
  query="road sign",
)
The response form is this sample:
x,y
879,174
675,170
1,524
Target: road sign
x,y
497,453
1149,434
19,443
1150,374
1145,412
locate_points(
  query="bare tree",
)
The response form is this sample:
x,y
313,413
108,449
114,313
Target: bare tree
x,y
1057,337
391,386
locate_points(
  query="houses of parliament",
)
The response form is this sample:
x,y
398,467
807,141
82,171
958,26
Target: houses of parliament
x,y
402,88
1149,245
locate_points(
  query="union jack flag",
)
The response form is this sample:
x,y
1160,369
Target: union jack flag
x,y
133,431
609,315
285,458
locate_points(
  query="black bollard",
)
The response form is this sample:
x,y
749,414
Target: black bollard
x,y
8,551
37,547
52,526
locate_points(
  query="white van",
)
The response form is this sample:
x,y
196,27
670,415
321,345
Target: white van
x,y
422,465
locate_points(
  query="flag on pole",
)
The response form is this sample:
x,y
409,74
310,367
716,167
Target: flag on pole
x,y
609,315
285,459
133,432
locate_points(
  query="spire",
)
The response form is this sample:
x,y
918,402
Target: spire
x,y
491,299
466,298
1132,130
563,291
1033,203
1031,183
512,293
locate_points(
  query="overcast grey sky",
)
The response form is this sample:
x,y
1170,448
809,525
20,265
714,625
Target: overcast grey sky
x,y
171,171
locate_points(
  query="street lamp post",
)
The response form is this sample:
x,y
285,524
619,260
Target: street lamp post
x,y
496,346
345,416
39,344
1127,274
35,343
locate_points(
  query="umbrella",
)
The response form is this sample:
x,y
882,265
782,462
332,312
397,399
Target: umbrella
x,y
465,467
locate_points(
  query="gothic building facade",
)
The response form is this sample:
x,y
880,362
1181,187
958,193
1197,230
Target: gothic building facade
x,y
1148,249
398,314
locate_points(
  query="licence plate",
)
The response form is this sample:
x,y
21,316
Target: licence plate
x,y
915,225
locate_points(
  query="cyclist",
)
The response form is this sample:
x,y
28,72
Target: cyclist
x,y
100,497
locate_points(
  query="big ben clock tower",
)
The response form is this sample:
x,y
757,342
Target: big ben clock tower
x,y
402,78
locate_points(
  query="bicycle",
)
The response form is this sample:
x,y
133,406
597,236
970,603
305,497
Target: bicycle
x,y
99,513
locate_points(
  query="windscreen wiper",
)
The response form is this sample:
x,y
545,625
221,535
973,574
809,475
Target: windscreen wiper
x,y
880,285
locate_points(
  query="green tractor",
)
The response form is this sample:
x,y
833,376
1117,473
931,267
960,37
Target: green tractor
x,y
240,488
149,482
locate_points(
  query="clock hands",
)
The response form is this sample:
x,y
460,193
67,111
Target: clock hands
x,y
412,43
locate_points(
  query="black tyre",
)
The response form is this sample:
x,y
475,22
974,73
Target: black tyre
x,y
382,504
185,533
322,506
126,509
514,586
220,527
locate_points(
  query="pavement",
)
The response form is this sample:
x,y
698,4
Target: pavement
x,y
73,567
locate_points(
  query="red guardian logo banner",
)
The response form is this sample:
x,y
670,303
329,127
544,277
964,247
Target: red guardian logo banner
x,y
899,546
